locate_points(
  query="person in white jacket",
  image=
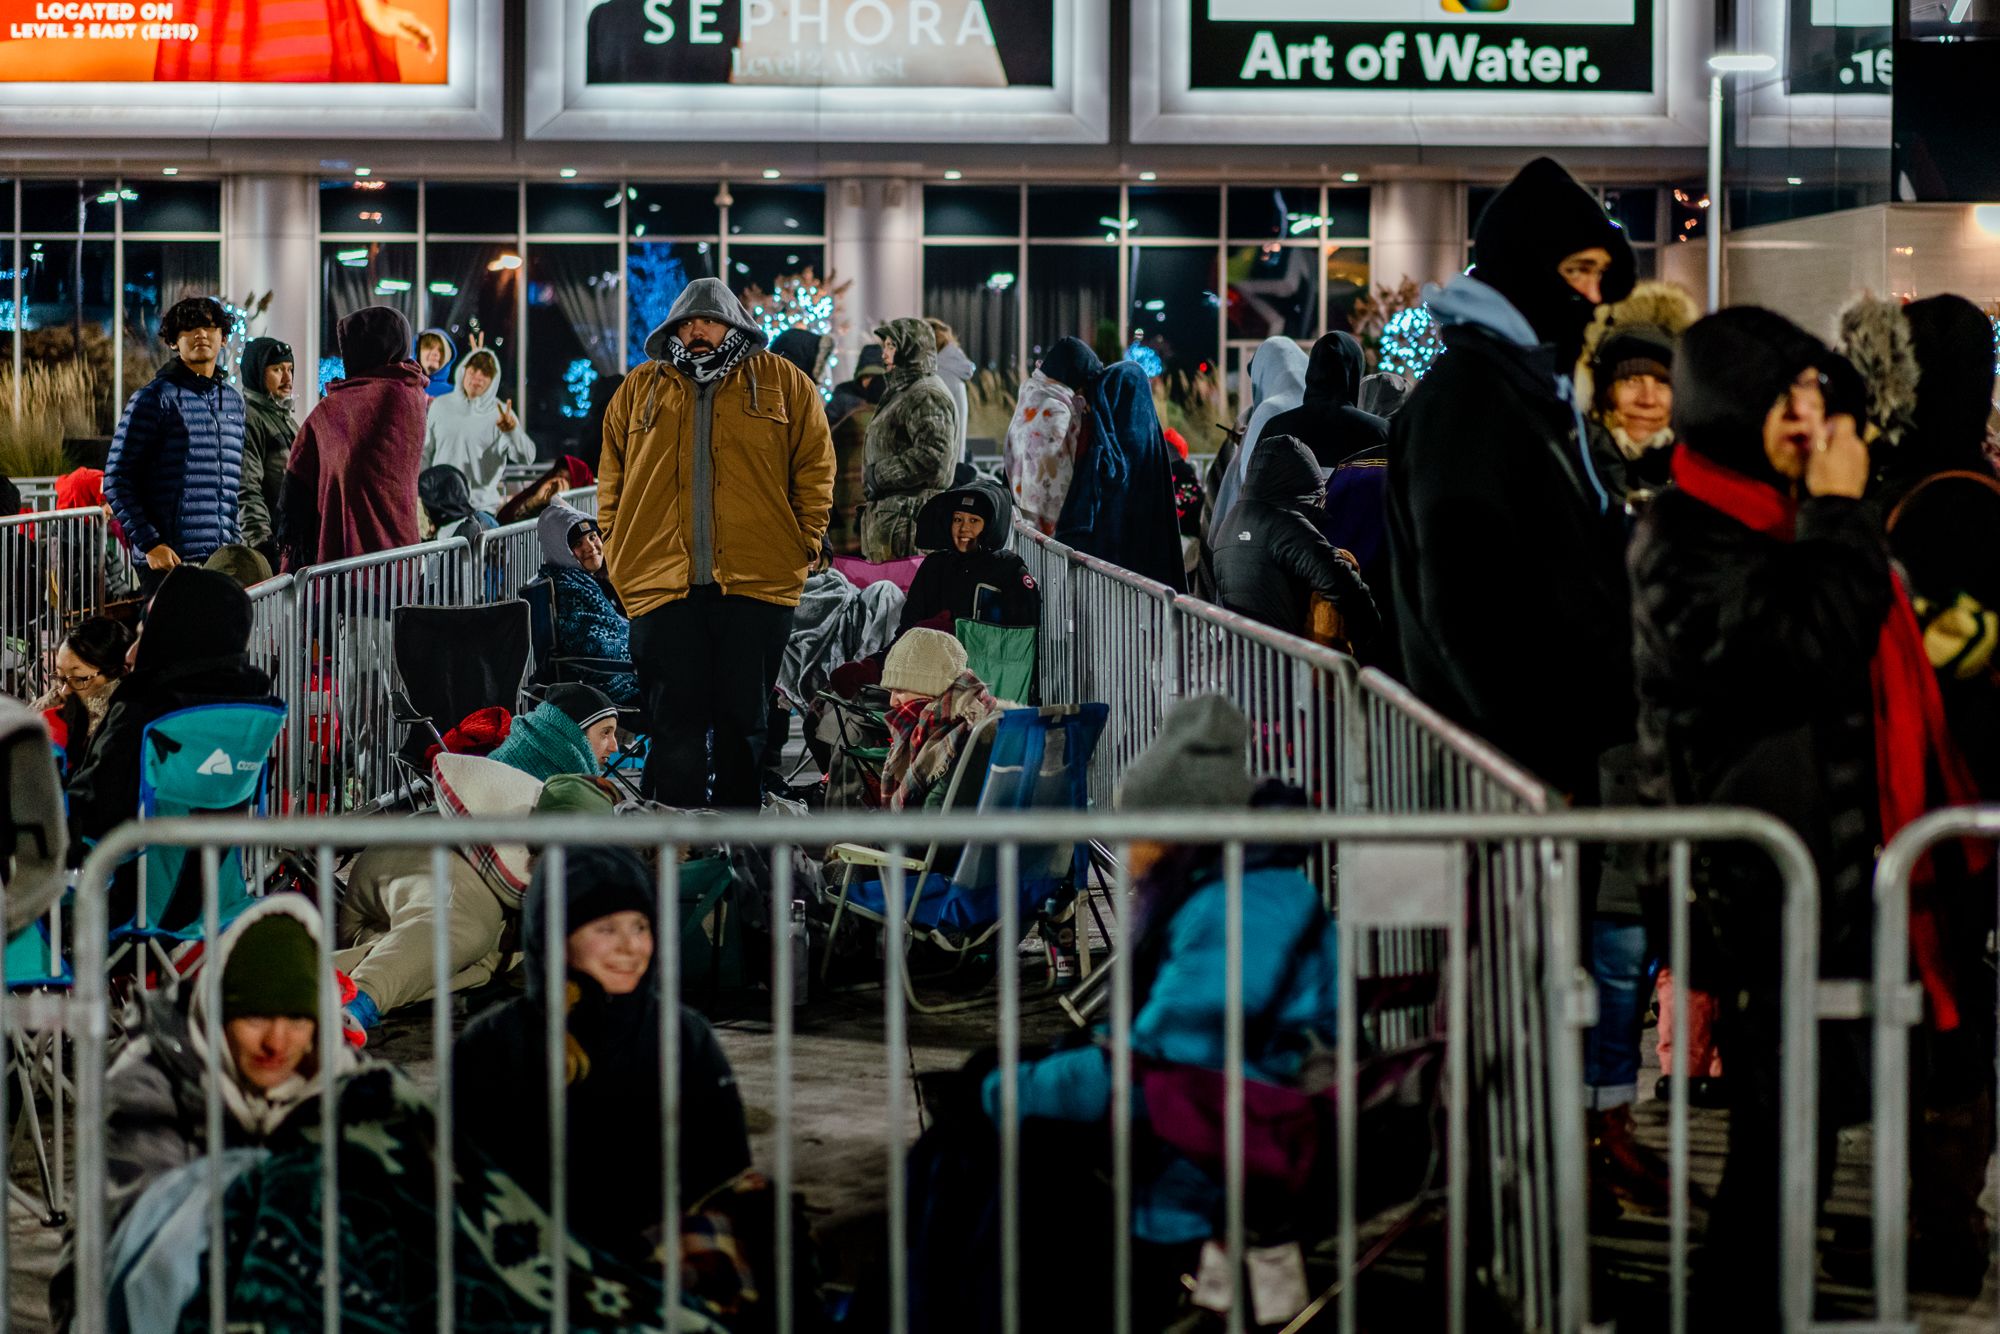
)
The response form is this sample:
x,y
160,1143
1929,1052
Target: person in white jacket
x,y
476,431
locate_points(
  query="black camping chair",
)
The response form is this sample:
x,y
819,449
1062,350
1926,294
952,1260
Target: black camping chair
x,y
452,662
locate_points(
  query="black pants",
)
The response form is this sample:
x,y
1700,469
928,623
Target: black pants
x,y
706,664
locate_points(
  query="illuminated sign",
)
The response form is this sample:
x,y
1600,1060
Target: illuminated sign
x,y
806,70
1598,71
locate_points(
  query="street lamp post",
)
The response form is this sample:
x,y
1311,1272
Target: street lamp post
x,y
1720,67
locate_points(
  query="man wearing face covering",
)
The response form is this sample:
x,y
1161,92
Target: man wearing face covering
x,y
351,485
1507,579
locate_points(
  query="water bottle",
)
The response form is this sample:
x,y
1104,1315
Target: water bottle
x,y
801,953
1060,921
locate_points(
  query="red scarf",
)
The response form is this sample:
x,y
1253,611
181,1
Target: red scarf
x,y
1913,744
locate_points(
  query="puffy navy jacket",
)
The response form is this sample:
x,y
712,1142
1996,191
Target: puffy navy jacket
x,y
176,464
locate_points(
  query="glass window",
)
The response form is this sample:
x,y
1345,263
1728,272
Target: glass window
x,y
1072,212
367,206
761,266
158,274
1072,290
1175,212
1346,283
173,206
1273,290
1637,211
777,210
472,288
672,210
1347,211
573,297
1173,308
68,206
655,274
1273,212
66,322
1477,197
972,210
977,291
589,209
1645,262
1687,219
354,274
471,210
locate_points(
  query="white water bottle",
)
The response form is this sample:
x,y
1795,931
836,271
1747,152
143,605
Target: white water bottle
x,y
801,953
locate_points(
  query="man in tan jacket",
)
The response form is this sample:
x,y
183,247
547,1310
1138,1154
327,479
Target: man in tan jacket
x,y
716,483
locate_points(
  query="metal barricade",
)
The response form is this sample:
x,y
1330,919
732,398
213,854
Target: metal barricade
x,y
1557,1300
1896,1006
1122,653
37,493
341,737
503,560
582,499
52,575
275,650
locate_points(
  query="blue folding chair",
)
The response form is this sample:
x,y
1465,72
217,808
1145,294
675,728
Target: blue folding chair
x,y
209,759
1022,759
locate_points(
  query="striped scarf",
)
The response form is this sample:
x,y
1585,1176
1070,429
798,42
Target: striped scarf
x,y
710,366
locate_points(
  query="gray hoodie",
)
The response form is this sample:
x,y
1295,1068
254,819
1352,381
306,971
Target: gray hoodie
x,y
465,433
956,370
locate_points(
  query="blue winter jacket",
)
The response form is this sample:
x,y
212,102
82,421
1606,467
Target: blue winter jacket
x,y
1181,1022
176,464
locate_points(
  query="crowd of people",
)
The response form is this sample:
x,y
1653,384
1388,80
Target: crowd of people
x,y
1655,557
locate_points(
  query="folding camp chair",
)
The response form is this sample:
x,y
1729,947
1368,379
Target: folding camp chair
x,y
1003,656
450,663
1022,759
209,759
36,967
552,665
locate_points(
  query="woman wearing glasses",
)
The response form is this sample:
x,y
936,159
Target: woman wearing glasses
x,y
88,667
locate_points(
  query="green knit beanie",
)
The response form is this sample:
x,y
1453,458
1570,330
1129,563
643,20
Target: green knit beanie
x,y
273,970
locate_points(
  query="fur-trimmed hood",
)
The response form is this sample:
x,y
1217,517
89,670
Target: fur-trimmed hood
x,y
1652,304
1875,336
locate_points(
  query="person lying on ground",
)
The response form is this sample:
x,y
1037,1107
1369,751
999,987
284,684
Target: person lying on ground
x,y
611,1054
574,730
588,620
388,918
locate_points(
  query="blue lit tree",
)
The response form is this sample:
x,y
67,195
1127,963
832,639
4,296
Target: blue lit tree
x,y
801,300
1410,342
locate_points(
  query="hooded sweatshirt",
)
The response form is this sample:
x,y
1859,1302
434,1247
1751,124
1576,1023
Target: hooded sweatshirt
x,y
268,432
194,651
613,1115
156,1091
1500,535
1277,385
351,485
988,583
1120,505
465,433
913,444
1272,558
955,370
447,502
441,382
1327,420
727,481
588,623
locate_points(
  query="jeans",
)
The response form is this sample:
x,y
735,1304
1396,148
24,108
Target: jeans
x,y
1618,957
706,665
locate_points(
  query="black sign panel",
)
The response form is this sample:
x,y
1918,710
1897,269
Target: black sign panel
x,y
1827,51
1490,55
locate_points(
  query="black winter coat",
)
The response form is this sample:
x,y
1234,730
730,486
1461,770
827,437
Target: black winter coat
x,y
1329,423
975,585
1271,558
1508,589
612,1141
1753,659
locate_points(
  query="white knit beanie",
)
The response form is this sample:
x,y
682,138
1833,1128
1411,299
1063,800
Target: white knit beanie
x,y
923,662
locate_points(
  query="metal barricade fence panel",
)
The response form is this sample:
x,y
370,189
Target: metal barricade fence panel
x,y
583,499
344,735
52,575
504,560
1534,991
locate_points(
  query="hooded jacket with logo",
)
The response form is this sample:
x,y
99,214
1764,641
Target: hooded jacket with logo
x,y
988,583
744,462
913,445
1271,558
464,432
175,472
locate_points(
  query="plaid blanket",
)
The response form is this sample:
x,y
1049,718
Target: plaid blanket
x,y
921,759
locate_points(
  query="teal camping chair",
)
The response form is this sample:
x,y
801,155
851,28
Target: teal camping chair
x,y
209,759
1003,656
1019,760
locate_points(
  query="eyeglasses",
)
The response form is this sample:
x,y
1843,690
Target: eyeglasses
x,y
80,680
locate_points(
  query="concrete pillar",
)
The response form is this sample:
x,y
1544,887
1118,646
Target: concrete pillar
x,y
1416,230
874,238
270,244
